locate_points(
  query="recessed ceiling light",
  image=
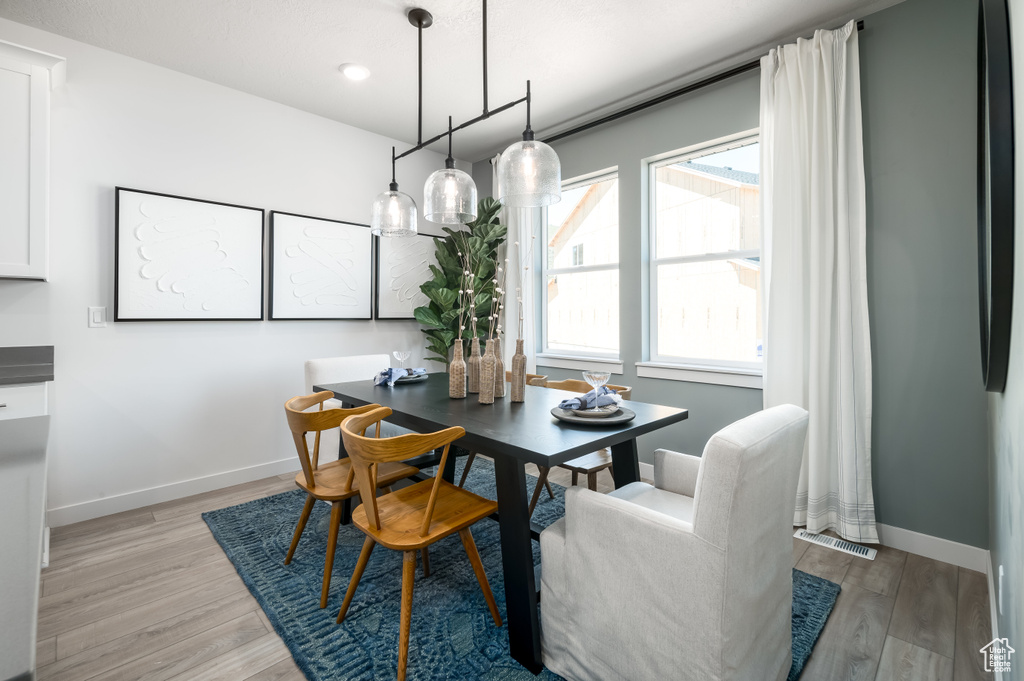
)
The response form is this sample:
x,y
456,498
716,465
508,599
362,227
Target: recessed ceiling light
x,y
355,71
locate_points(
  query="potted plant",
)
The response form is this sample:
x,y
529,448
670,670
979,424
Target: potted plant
x,y
458,299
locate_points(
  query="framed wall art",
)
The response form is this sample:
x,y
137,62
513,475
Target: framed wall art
x,y
403,263
995,191
319,268
184,259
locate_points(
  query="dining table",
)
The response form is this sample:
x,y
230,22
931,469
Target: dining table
x,y
513,434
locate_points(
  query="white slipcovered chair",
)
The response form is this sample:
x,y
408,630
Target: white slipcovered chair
x,y
343,370
689,579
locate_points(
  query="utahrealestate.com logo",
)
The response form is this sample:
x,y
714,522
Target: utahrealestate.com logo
x,y
997,655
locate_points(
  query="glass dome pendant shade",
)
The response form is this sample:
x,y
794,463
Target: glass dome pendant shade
x,y
529,172
449,195
393,213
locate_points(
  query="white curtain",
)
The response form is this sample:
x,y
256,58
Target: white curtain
x,y
520,223
817,349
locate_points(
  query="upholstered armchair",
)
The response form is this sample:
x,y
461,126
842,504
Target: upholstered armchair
x,y
688,579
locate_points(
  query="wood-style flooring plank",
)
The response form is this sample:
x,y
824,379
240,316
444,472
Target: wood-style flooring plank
x,y
75,557
189,653
46,651
103,658
851,642
241,662
973,626
285,670
120,570
881,575
135,618
799,549
236,495
100,526
925,612
825,563
902,661
60,620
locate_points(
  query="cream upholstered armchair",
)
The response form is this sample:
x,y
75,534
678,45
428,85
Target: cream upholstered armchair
x,y
688,579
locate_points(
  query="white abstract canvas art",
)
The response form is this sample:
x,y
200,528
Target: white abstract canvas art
x,y
186,259
320,269
403,263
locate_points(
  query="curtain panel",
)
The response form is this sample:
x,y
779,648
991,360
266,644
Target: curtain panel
x,y
816,331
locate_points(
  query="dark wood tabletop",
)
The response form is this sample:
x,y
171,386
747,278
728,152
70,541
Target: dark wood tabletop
x,y
526,430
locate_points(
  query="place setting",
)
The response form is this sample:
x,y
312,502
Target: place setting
x,y
400,375
602,406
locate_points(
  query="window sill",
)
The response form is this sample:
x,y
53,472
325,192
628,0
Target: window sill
x,y
582,363
740,378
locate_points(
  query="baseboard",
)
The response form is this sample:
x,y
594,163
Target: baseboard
x,y
87,510
993,605
936,548
646,471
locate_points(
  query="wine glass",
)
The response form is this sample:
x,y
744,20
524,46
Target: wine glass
x,y
596,379
401,356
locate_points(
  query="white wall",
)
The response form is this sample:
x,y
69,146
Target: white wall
x,y
138,406
1007,409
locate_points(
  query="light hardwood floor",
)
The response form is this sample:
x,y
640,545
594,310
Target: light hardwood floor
x,y
148,594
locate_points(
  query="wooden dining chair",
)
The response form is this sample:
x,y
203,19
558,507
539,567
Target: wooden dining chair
x,y
588,464
411,518
530,380
333,481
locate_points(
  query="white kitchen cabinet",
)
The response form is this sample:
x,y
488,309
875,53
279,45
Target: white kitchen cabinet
x,y
26,78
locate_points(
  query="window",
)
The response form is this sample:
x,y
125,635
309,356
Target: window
x,y
706,258
581,270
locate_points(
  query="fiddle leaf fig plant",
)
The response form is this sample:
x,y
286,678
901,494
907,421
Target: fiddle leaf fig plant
x,y
462,285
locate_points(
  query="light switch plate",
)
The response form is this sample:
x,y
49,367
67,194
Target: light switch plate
x,y
97,317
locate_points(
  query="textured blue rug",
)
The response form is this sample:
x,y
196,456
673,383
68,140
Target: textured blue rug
x,y
453,636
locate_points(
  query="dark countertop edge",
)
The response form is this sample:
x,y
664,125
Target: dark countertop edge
x,y
26,364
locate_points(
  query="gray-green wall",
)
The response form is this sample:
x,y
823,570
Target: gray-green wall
x,y
929,429
1006,536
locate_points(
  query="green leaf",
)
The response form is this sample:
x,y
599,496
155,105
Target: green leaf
x,y
449,316
444,298
427,317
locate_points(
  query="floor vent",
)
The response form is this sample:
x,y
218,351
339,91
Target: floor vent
x,y
837,544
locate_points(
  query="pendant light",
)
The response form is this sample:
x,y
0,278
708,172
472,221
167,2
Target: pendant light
x,y
393,213
529,172
449,195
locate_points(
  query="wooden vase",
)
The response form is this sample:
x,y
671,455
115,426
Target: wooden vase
x,y
499,369
457,373
473,367
487,362
519,373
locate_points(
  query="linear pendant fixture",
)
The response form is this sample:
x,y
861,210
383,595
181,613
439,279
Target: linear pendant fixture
x,y
529,173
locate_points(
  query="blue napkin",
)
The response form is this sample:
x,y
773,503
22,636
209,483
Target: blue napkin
x,y
389,376
601,397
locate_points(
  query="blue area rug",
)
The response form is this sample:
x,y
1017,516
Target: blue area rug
x,y
453,635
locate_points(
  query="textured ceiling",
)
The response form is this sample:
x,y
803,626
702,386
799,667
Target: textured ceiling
x,y
583,58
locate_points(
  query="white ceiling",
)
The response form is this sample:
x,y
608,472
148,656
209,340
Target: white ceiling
x,y
583,57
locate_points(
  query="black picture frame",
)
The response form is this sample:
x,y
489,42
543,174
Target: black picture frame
x,y
255,260
277,219
378,278
995,191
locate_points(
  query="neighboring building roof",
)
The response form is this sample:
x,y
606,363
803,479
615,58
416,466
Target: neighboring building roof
x,y
740,176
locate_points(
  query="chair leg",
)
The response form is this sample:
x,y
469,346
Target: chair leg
x,y
575,478
426,561
357,574
465,471
542,480
478,568
408,575
310,501
332,545
592,481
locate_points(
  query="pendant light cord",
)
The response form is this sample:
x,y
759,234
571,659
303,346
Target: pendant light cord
x,y
394,183
485,57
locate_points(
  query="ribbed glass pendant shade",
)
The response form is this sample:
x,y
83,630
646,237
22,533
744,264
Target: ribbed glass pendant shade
x,y
529,175
393,214
449,197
